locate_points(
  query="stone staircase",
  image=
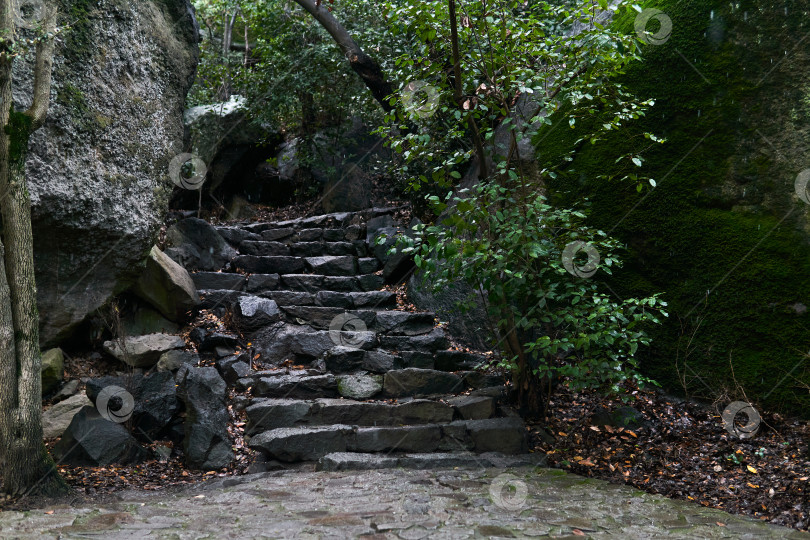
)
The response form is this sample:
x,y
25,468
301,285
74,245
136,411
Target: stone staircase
x,y
353,381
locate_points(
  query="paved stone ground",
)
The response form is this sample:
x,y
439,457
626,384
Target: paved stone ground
x,y
405,504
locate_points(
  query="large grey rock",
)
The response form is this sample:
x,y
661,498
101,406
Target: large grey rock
x,y
98,168
206,443
57,418
53,367
143,351
213,127
167,286
91,440
152,406
196,245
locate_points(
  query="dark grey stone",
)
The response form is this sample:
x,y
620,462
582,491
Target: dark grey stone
x,y
206,443
91,440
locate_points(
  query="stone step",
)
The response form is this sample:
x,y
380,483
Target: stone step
x,y
218,281
333,220
354,461
345,265
310,443
432,341
412,382
285,248
265,414
347,300
315,283
387,322
296,385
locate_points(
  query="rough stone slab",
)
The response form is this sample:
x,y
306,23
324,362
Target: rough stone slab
x,y
275,234
219,298
252,313
507,435
416,382
315,344
473,407
342,283
218,281
368,265
343,359
458,360
302,282
264,249
332,266
356,461
374,299
334,299
370,282
302,443
268,265
380,361
405,323
417,359
143,351
266,414
323,318
292,386
235,235
432,341
308,235
291,298
423,438
261,283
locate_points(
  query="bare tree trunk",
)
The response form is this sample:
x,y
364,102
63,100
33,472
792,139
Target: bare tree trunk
x,y
27,466
365,66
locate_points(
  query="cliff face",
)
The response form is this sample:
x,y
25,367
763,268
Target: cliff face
x,y
724,234
98,169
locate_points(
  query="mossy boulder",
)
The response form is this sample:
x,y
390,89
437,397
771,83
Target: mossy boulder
x,y
53,368
98,168
724,234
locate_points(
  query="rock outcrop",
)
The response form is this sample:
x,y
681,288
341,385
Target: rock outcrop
x,y
98,169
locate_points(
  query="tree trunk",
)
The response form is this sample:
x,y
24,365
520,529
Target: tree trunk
x,y
362,64
27,467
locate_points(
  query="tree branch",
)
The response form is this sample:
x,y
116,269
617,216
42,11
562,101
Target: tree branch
x,y
365,66
42,72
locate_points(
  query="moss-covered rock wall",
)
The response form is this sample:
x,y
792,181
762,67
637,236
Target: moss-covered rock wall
x,y
723,234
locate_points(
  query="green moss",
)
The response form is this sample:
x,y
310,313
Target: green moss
x,y
19,131
723,218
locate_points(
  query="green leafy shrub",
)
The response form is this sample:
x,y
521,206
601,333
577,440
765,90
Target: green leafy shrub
x,y
507,242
